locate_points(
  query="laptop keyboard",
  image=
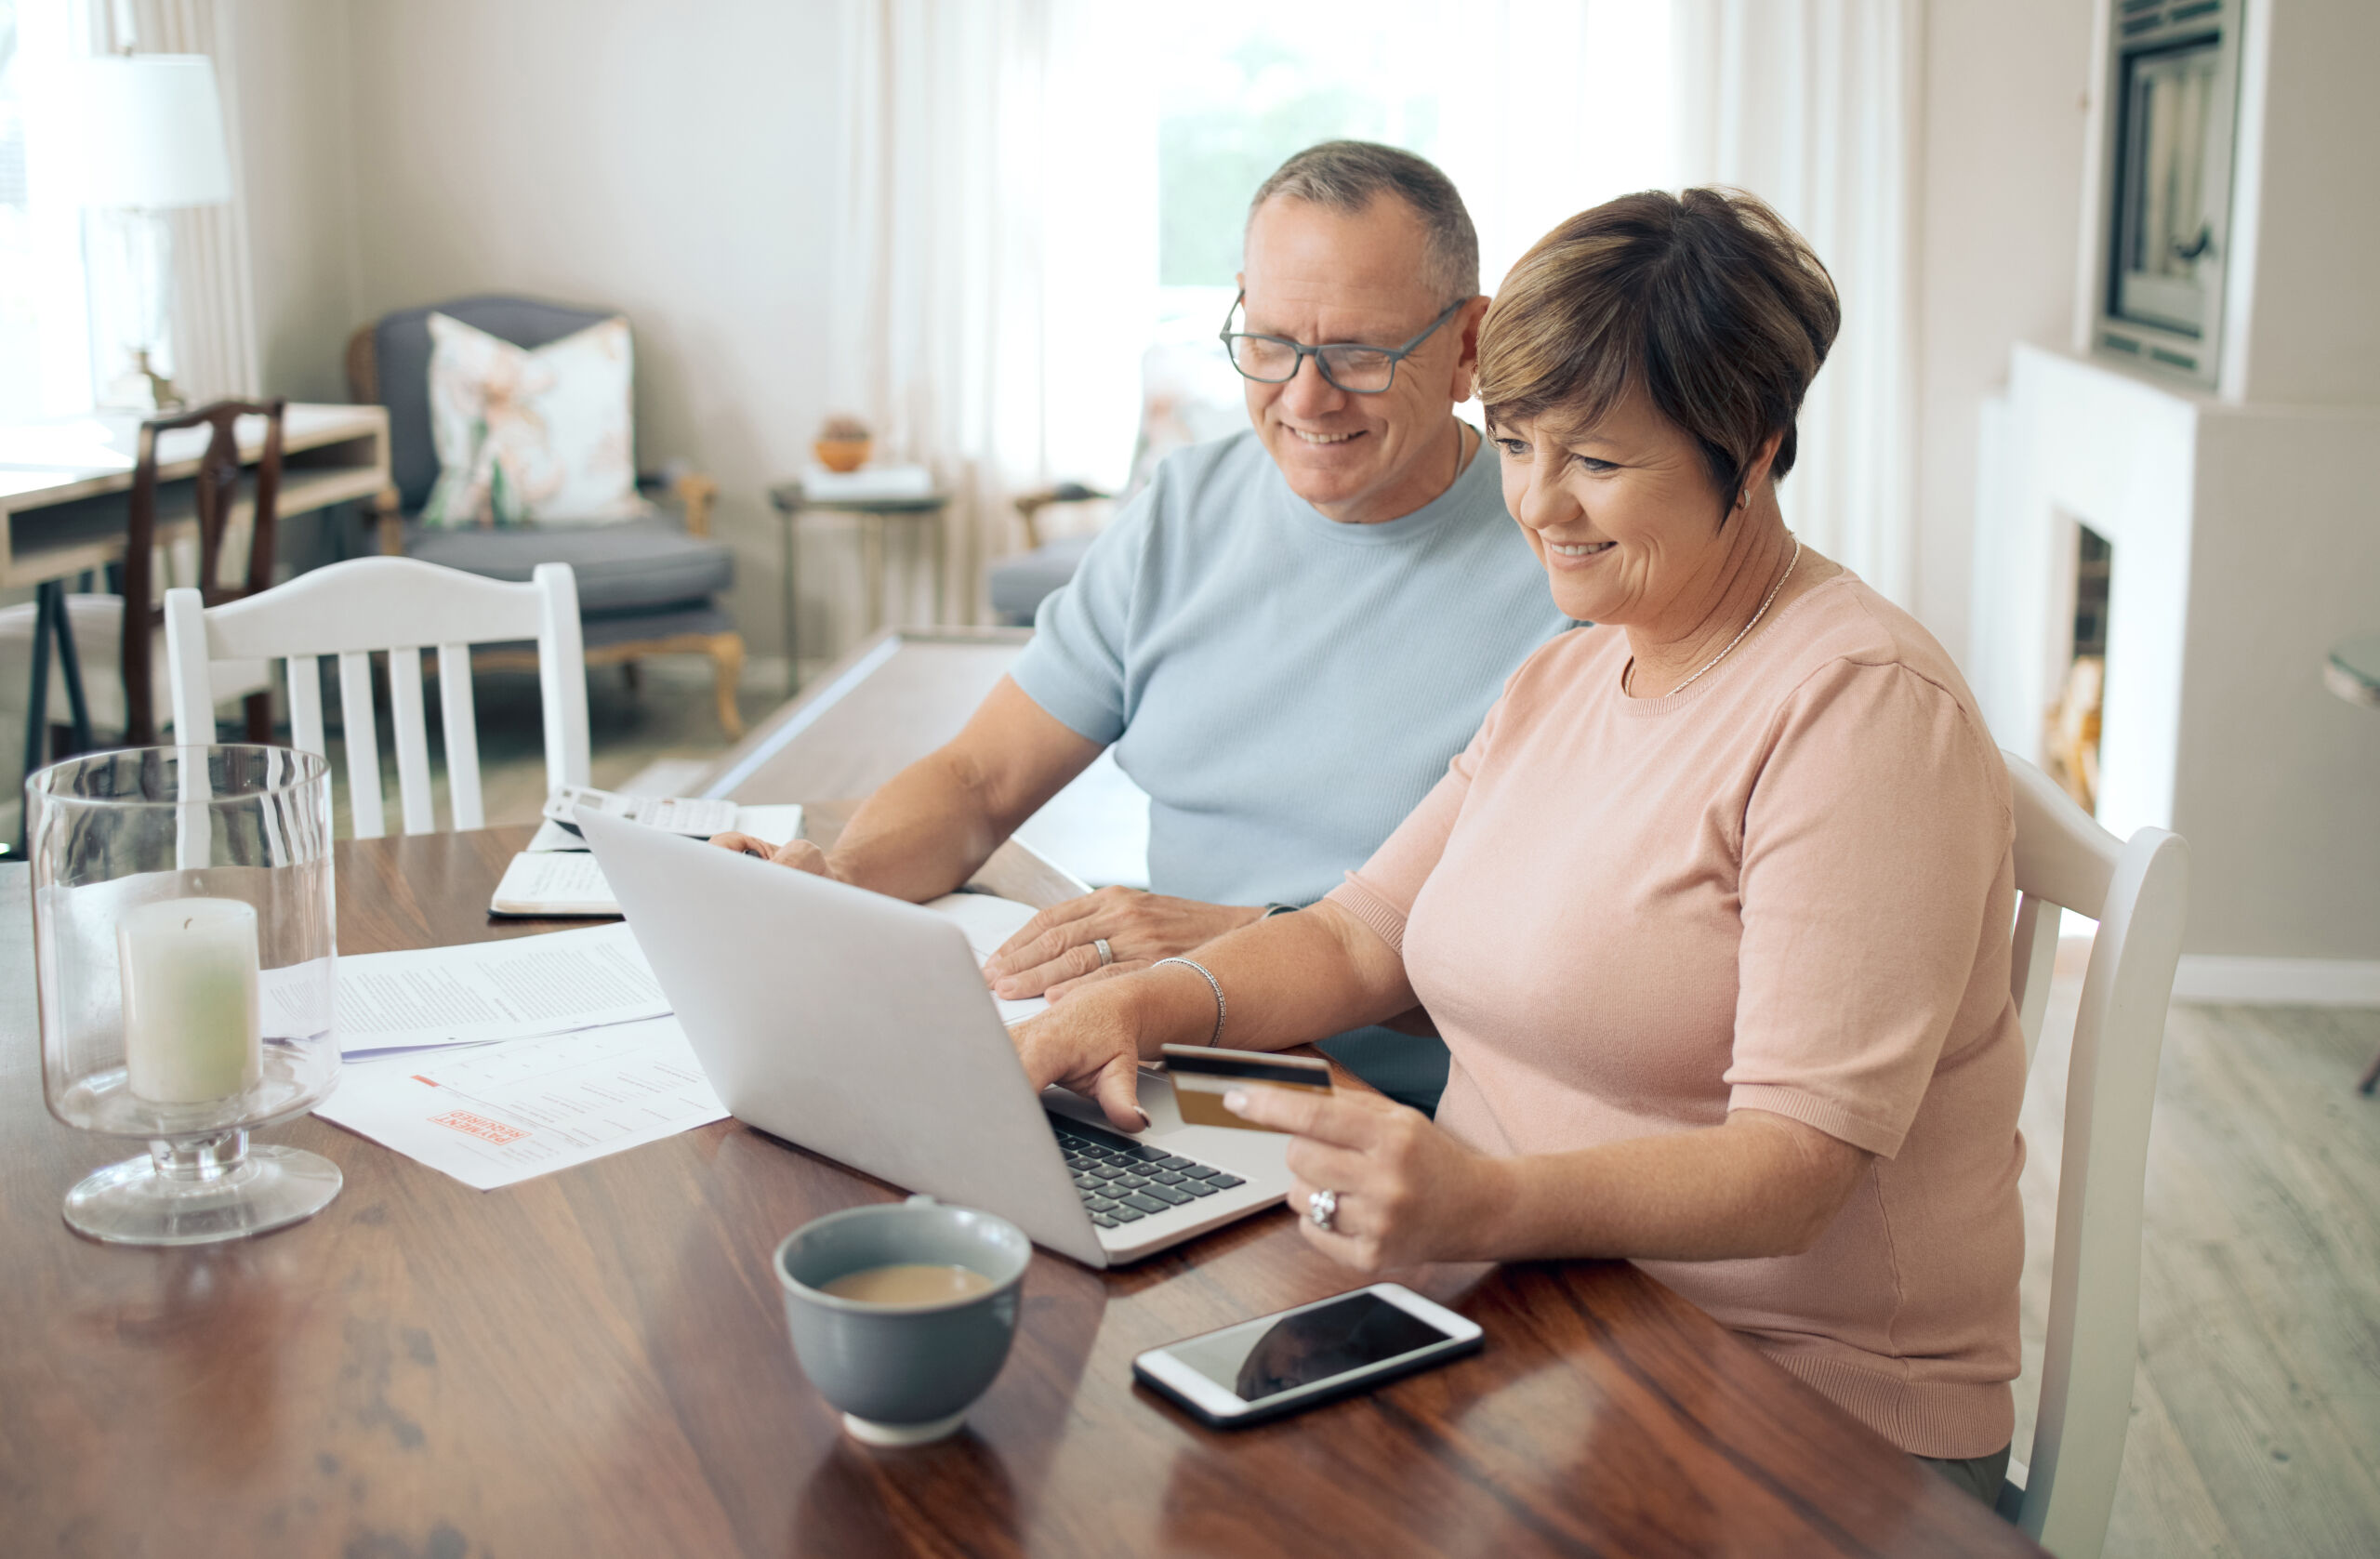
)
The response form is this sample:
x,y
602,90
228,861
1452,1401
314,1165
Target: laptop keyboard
x,y
1122,1182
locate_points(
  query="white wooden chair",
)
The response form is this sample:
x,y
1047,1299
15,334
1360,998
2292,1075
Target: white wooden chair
x,y
2137,890
401,606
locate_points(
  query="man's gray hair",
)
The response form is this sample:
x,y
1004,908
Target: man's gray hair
x,y
1344,176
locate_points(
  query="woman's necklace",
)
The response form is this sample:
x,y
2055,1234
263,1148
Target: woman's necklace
x,y
1738,639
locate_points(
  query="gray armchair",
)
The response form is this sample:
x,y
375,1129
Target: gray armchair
x,y
646,587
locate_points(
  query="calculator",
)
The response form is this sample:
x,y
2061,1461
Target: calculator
x,y
695,817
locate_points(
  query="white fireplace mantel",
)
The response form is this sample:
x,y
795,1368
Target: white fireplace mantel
x,y
2246,541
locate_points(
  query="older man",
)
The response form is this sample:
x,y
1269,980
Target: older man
x,y
1286,636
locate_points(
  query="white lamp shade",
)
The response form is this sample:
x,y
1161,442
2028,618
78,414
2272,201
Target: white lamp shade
x,y
147,132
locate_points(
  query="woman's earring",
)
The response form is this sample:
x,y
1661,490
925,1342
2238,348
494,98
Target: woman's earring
x,y
1743,497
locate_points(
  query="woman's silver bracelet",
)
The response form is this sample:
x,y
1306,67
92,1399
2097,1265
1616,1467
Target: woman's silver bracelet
x,y
1216,1037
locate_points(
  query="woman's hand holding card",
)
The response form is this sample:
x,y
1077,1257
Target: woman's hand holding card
x,y
1407,1192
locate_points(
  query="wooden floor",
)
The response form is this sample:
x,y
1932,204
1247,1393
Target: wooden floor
x,y
2256,1419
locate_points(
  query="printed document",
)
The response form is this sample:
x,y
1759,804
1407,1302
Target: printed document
x,y
989,920
500,1114
479,991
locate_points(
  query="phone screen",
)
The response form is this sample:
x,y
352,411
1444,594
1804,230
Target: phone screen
x,y
1265,1358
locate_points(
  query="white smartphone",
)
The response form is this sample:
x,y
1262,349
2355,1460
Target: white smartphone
x,y
1281,1363
699,818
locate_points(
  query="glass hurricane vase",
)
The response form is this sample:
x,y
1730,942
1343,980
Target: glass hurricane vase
x,y
183,945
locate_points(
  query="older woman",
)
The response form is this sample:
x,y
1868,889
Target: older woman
x,y
1714,910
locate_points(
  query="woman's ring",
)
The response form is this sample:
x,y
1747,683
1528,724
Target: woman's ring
x,y
1106,955
1322,1207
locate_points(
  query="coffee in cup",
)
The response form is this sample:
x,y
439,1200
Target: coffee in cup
x,y
902,1315
909,1283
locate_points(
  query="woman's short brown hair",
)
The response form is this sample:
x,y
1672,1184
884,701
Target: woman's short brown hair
x,y
1707,301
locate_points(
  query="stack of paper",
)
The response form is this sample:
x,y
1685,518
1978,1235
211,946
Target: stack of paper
x,y
485,991
989,920
821,487
496,1061
492,1114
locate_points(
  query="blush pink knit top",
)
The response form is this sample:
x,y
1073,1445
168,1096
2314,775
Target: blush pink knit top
x,y
1788,887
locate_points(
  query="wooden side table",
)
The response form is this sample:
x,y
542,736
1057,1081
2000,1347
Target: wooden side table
x,y
2353,672
792,501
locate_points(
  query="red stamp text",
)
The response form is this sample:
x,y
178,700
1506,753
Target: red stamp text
x,y
479,1125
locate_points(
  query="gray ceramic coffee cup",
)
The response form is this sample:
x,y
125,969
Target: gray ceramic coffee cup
x,y
902,1375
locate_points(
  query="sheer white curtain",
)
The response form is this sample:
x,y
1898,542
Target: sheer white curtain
x,y
1813,106
214,347
1560,106
994,239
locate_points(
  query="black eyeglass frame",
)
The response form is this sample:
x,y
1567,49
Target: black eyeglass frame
x,y
1396,355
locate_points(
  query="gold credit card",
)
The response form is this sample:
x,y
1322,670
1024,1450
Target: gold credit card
x,y
1201,1077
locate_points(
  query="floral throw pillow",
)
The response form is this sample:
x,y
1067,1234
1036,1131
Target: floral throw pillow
x,y
522,435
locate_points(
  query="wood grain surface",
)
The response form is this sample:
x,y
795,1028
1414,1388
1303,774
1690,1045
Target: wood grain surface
x,y
595,1363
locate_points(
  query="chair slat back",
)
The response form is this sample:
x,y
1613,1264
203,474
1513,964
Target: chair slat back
x,y
2032,962
362,725
2064,860
412,738
462,735
305,706
398,605
2137,890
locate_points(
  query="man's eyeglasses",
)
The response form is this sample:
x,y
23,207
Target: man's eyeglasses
x,y
1358,370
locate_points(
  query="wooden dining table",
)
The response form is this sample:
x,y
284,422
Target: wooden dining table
x,y
595,1363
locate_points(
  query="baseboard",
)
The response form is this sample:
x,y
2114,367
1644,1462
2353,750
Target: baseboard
x,y
2279,982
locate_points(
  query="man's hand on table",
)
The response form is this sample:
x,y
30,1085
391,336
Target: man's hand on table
x,y
1057,952
800,855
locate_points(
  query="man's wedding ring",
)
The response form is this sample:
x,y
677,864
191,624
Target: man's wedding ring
x,y
1106,955
1322,1207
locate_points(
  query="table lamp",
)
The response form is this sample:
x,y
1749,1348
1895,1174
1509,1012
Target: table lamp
x,y
149,139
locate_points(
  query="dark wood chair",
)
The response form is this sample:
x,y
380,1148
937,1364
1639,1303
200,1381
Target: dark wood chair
x,y
96,633
217,488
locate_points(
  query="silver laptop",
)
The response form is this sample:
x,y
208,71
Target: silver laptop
x,y
859,1027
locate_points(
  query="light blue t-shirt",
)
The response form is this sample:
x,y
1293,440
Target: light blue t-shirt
x,y
1286,688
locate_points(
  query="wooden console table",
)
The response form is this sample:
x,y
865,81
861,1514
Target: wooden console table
x,y
63,483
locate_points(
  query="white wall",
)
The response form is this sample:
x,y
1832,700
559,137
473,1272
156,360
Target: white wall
x,y
2278,775
670,162
298,175
2303,329
2006,88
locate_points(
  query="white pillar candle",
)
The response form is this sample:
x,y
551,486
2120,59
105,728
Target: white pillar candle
x,y
191,1030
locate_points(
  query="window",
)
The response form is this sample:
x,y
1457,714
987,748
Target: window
x,y
44,344
1536,109
1232,116
1242,87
